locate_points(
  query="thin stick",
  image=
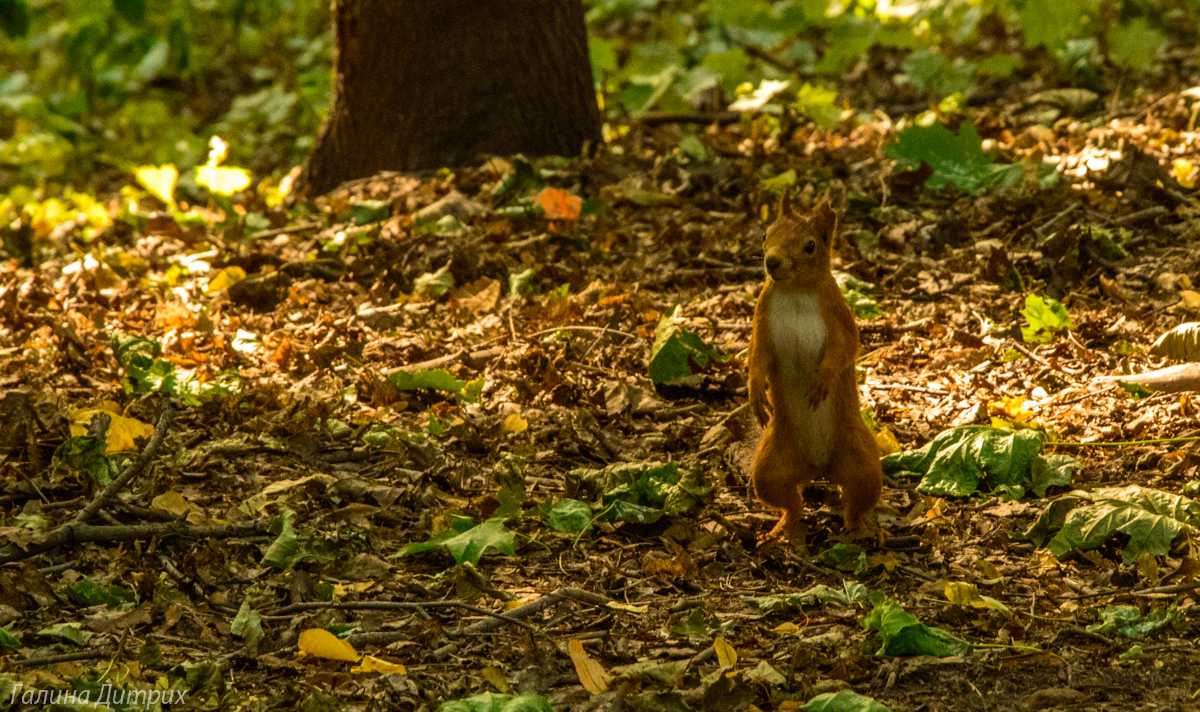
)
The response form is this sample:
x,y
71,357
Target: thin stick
x,y
156,440
51,660
75,533
605,330
1128,443
299,227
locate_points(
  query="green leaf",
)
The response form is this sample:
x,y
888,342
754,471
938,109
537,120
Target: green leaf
x,y
434,284
697,623
1133,44
132,11
1129,621
930,71
88,592
1152,520
956,461
1046,317
363,212
998,65
818,104
902,634
87,453
8,640
778,183
282,552
14,18
851,593
467,542
844,701
846,557
1053,22
639,492
520,283
67,631
955,159
491,702
676,350
1052,471
248,624
571,516
439,380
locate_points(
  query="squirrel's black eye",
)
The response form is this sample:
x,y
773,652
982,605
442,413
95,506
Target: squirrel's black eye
x,y
809,247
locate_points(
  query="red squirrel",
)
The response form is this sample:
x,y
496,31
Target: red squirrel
x,y
802,385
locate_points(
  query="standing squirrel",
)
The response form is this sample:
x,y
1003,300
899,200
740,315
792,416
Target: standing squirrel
x,y
802,386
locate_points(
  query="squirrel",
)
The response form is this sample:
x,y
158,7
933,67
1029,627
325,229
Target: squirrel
x,y
802,383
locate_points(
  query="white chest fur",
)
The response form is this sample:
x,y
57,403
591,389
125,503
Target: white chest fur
x,y
798,343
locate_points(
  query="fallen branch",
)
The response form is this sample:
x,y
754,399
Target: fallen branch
x,y
77,533
876,328
489,624
1173,379
475,358
54,659
151,449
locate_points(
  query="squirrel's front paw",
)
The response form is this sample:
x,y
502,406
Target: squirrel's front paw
x,y
817,393
758,403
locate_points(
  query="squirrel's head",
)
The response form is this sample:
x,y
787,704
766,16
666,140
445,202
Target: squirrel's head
x,y
796,249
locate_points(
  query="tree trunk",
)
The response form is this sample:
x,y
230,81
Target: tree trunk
x,y
432,83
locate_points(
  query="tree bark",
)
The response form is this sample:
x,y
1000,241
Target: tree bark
x,y
425,84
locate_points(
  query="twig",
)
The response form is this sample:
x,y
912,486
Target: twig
x,y
360,606
299,227
156,440
76,533
876,328
654,118
902,387
1173,588
443,361
602,329
1054,220
69,657
1089,634
1141,215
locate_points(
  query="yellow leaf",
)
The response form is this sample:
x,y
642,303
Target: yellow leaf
x,y
160,181
1016,408
341,589
1182,169
320,643
966,594
225,279
726,655
591,674
495,676
370,663
788,628
514,423
221,179
171,502
887,442
627,607
122,431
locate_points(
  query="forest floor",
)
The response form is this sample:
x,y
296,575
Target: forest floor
x,y
190,580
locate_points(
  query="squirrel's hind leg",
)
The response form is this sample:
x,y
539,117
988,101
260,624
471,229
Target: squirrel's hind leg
x,y
779,473
856,469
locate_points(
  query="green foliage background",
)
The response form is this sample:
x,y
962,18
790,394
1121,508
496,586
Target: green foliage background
x,y
93,87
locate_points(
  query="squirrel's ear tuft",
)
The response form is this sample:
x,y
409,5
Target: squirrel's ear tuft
x,y
785,203
825,220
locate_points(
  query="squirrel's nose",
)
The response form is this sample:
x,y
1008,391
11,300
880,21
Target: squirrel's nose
x,y
773,263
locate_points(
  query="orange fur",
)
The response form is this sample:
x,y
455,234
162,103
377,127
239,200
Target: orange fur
x,y
802,386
